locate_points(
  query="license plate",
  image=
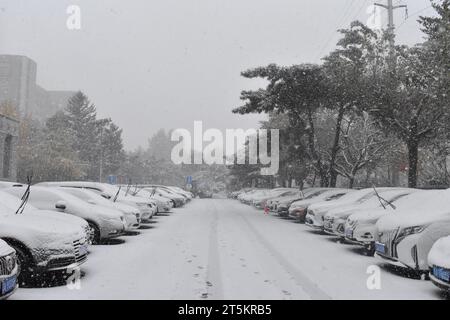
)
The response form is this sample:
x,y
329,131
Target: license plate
x,y
8,285
349,234
380,248
441,274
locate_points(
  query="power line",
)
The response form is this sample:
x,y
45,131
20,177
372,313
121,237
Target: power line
x,y
347,12
413,15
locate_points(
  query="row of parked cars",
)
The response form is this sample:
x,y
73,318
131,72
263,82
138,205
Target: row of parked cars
x,y
48,227
408,228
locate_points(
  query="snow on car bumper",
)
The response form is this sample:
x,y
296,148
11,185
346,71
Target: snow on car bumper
x,y
334,228
298,213
405,252
9,279
365,233
64,261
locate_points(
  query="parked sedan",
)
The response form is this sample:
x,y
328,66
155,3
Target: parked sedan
x,y
315,216
110,192
299,208
281,205
9,270
42,242
248,197
335,219
131,214
177,200
439,262
104,223
261,202
406,238
163,204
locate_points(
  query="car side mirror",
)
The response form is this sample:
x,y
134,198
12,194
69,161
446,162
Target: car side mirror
x,y
61,205
105,195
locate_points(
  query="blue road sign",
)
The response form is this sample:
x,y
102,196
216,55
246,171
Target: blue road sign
x,y
189,180
112,179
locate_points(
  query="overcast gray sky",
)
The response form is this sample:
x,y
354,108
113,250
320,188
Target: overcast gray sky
x,y
151,64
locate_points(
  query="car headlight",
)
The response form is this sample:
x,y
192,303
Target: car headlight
x,y
411,230
311,213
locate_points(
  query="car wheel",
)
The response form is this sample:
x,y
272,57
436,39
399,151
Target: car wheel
x,y
23,265
94,234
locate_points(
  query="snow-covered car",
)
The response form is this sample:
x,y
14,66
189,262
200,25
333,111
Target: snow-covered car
x,y
315,215
173,191
9,270
406,237
248,197
335,219
360,227
131,214
298,209
104,223
261,202
42,241
163,204
177,200
439,263
281,205
205,194
112,193
9,184
183,192
235,194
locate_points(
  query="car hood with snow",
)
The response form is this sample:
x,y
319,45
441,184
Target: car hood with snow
x,y
425,208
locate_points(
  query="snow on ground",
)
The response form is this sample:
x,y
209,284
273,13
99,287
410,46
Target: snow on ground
x,y
222,249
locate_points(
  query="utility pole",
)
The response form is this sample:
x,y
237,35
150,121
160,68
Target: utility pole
x,y
393,167
391,26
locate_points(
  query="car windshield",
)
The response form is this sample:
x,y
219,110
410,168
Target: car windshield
x,y
77,193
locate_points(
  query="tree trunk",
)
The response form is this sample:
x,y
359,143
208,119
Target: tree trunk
x,y
351,182
335,148
312,149
413,159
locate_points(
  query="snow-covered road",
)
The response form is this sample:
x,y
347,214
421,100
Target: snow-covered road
x,y
221,249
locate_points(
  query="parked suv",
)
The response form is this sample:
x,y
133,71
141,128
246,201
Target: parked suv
x,y
9,270
406,238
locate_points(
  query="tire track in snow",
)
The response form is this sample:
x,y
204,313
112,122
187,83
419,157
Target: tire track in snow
x,y
301,279
213,275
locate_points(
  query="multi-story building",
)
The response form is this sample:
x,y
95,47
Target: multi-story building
x,y
18,87
9,132
18,81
